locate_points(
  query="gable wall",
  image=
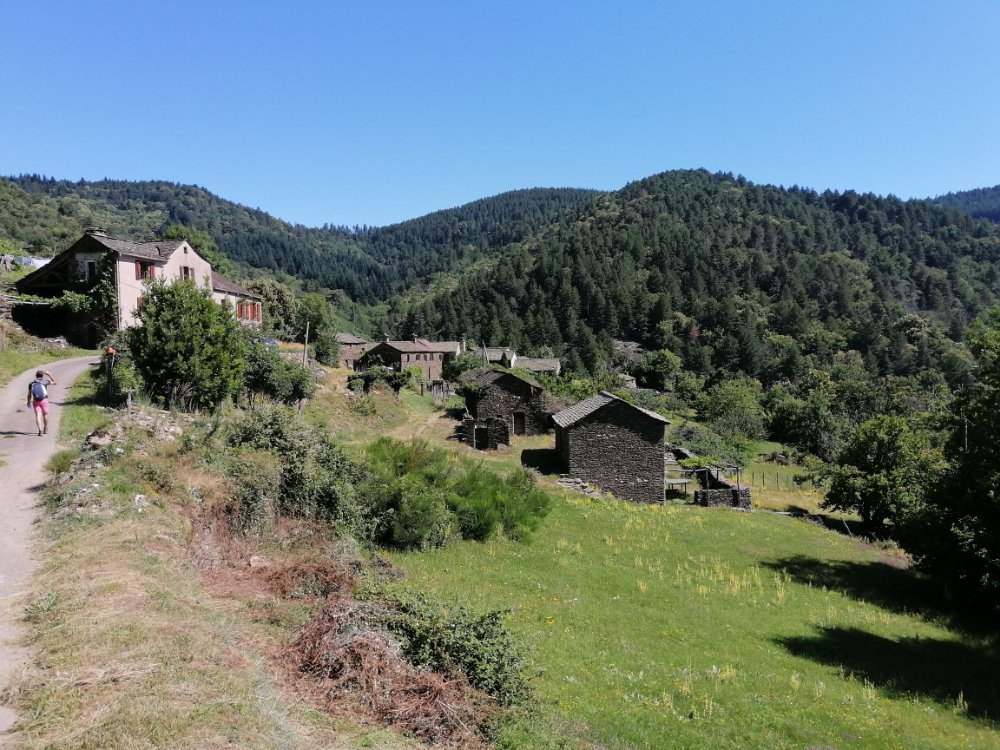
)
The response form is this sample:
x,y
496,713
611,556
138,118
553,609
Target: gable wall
x,y
508,395
617,449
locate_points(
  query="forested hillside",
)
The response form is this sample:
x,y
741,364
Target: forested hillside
x,y
45,215
728,275
753,279
983,203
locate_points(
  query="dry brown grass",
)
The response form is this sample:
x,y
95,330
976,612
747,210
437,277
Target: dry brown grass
x,y
133,650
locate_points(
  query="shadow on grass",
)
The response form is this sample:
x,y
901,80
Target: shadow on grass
x,y
939,670
897,589
840,525
455,412
542,460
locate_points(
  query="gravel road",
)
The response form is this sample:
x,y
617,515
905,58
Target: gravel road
x,y
23,455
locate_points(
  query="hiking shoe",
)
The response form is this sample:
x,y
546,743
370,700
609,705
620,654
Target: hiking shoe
x,y
45,429
39,433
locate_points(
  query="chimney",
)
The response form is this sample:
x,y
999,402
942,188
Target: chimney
x,y
385,338
414,338
96,232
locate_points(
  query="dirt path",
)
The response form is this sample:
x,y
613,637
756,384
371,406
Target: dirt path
x,y
22,460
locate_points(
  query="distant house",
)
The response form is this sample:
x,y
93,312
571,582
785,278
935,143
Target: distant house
x,y
495,355
351,348
614,445
517,400
429,356
540,365
133,263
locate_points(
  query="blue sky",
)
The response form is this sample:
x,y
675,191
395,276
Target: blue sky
x,y
373,112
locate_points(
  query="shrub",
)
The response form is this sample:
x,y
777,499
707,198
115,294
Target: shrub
x,y
269,374
451,639
189,350
256,479
326,350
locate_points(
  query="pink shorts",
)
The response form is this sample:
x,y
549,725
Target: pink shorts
x,y
42,406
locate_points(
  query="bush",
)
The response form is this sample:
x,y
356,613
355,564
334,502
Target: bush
x,y
189,350
453,640
326,350
316,478
269,374
256,482
424,497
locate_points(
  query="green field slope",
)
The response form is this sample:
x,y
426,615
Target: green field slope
x,y
678,627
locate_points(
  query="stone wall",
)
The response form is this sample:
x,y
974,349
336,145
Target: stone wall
x,y
620,450
507,395
497,431
720,490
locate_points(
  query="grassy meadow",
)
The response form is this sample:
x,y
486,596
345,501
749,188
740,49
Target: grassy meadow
x,y
679,627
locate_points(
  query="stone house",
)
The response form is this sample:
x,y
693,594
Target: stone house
x,y
351,348
495,355
429,357
132,264
517,400
540,365
614,445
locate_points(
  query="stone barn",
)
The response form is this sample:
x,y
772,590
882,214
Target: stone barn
x,y
516,399
614,445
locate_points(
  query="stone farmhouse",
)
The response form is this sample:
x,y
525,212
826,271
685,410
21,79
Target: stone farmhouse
x,y
506,357
517,401
134,263
614,445
429,356
351,348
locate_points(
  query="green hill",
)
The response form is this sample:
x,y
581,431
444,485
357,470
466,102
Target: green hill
x,y
983,203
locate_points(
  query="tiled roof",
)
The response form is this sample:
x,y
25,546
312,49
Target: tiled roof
x,y
222,284
585,408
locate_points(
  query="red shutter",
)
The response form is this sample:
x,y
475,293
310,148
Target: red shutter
x,y
239,310
138,270
152,271
259,311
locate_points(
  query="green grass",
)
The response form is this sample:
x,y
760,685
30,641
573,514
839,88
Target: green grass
x,y
82,413
688,628
14,361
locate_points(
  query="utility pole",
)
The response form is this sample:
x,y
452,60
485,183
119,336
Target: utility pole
x,y
305,347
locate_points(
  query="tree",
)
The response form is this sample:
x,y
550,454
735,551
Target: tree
x,y
959,532
282,316
326,350
189,350
733,409
659,369
883,473
464,362
269,374
317,312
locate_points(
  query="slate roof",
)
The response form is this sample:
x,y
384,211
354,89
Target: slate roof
x,y
492,376
585,408
540,364
423,345
494,353
349,339
222,284
158,250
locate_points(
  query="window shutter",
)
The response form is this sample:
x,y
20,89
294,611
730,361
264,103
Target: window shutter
x,y
152,271
260,311
138,270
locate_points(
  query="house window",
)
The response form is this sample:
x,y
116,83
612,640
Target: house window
x,y
187,273
145,270
91,270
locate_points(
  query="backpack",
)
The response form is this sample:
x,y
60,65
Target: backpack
x,y
38,391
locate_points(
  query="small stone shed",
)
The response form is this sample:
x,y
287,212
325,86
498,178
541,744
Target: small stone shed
x,y
614,445
516,399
